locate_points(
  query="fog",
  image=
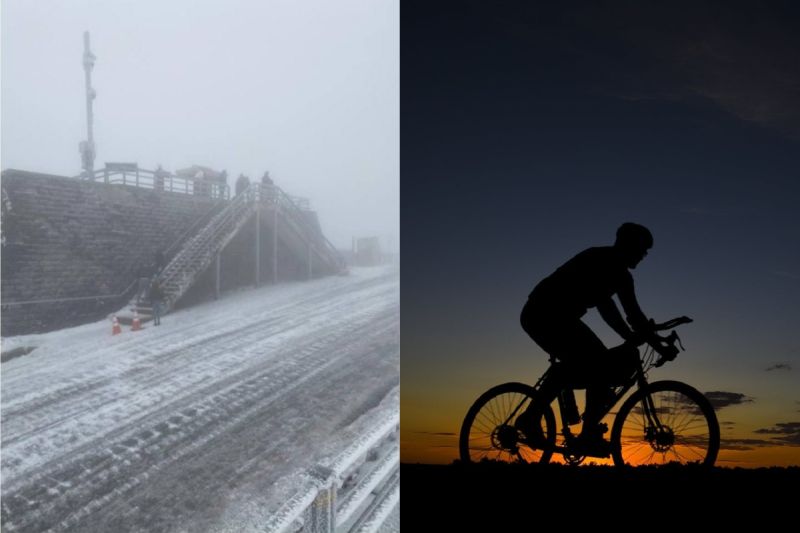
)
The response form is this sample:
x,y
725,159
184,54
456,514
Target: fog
x,y
306,90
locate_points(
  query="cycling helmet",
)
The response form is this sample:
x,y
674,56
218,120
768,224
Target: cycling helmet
x,y
630,235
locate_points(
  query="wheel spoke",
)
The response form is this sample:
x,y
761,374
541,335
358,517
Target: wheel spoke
x,y
684,433
491,435
693,424
693,449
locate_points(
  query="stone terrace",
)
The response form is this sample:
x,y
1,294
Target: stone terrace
x,y
66,238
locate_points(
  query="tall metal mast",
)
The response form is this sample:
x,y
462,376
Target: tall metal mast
x,y
87,147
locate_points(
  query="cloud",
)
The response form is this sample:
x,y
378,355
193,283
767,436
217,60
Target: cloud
x,y
779,366
742,61
720,399
744,444
786,433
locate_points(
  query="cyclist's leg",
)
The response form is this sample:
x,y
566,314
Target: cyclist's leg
x,y
569,340
587,362
546,330
621,363
608,369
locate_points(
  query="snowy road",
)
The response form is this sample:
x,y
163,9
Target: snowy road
x,y
202,424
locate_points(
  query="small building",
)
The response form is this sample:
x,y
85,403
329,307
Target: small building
x,y
367,251
206,181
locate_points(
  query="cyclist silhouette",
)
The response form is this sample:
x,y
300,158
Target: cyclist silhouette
x,y
552,318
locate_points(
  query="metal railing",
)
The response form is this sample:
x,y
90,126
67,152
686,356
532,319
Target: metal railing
x,y
203,219
198,252
288,206
162,180
334,497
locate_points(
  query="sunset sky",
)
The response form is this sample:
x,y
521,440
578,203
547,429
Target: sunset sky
x,y
530,133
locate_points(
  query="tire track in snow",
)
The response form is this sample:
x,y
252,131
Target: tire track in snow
x,y
170,363
42,396
58,486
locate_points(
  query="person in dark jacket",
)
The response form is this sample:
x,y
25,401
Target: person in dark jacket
x,y
156,301
159,261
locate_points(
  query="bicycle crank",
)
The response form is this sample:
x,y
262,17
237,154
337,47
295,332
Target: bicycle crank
x,y
505,437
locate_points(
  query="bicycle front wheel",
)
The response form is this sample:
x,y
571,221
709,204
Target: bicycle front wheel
x,y
488,432
678,426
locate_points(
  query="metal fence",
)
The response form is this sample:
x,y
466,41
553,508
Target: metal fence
x,y
161,180
354,493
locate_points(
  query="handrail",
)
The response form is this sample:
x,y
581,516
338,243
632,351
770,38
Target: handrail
x,y
297,211
76,298
160,180
318,504
197,248
192,229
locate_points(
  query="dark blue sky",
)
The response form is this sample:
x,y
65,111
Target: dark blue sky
x,y
531,133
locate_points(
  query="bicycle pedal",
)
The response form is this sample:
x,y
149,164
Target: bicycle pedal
x,y
601,448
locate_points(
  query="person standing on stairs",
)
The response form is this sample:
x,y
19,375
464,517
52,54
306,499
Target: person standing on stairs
x,y
159,262
156,300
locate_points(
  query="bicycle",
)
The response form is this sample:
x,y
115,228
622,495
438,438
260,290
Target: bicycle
x,y
660,422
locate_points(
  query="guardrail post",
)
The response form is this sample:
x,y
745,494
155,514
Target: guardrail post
x,y
321,515
275,243
258,244
218,269
310,259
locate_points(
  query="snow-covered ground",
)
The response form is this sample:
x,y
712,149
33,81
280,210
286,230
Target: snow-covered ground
x,y
204,423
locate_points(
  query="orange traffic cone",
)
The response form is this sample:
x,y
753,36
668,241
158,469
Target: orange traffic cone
x,y
115,327
136,325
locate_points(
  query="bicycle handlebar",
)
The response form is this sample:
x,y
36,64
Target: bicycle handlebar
x,y
669,324
665,346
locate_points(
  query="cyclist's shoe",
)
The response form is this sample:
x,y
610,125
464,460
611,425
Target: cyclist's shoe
x,y
591,441
530,427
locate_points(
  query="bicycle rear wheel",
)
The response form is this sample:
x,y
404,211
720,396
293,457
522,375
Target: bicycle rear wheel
x,y
488,432
687,430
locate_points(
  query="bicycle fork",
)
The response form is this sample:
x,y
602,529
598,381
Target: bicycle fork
x,y
657,434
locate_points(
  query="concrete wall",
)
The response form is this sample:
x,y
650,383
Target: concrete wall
x,y
65,238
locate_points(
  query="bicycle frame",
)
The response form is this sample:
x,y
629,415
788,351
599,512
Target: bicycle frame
x,y
638,379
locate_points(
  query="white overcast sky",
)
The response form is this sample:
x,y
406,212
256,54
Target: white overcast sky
x,y
308,90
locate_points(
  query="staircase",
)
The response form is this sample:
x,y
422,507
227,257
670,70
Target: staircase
x,y
198,252
305,235
196,255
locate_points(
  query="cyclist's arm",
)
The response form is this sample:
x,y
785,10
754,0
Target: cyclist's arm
x,y
627,297
610,313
